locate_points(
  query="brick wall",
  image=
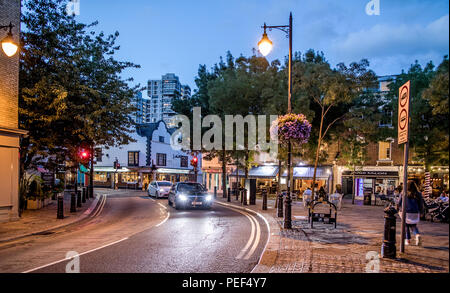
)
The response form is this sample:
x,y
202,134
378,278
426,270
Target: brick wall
x,y
9,66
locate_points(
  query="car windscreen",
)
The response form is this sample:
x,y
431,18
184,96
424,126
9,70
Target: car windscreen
x,y
164,184
186,187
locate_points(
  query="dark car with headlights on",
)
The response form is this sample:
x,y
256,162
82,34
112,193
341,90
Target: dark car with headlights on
x,y
190,195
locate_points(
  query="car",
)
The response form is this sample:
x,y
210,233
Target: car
x,y
190,195
159,189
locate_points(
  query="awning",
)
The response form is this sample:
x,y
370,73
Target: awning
x,y
268,171
111,169
173,171
308,173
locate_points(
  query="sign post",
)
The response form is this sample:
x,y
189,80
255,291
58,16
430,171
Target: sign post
x,y
403,138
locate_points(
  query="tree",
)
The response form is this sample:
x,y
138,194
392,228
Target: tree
x,y
331,90
70,87
429,119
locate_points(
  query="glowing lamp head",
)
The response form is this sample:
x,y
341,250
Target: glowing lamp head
x,y
9,46
265,45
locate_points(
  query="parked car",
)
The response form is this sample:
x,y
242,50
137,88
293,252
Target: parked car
x,y
159,189
190,194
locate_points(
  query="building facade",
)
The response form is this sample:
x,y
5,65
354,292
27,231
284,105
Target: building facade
x,y
156,103
150,157
9,114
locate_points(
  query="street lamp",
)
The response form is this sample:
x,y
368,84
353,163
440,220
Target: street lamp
x,y
8,44
265,46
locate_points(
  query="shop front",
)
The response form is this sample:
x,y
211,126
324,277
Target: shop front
x,y
174,175
369,182
303,178
266,178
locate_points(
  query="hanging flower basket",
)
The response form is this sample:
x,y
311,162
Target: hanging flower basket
x,y
293,127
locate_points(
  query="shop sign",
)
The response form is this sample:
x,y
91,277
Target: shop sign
x,y
371,173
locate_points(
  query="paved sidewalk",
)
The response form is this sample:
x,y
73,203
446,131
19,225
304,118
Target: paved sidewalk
x,y
353,247
40,221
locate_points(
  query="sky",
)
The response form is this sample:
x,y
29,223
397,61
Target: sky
x,y
176,36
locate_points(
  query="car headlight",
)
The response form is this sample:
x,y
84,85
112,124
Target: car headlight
x,y
182,197
208,198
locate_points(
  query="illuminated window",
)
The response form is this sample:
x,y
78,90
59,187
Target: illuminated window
x,y
184,161
384,150
133,158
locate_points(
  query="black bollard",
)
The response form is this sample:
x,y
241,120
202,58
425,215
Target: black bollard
x,y
280,205
388,249
215,191
229,195
73,203
83,195
60,212
264,198
78,198
244,195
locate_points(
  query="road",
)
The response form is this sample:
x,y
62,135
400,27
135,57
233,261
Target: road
x,y
133,233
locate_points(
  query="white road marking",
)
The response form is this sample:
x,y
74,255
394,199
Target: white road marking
x,y
254,237
83,253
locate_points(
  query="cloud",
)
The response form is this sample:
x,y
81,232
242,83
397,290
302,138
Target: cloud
x,y
383,40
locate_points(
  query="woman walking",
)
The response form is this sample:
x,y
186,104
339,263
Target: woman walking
x,y
414,206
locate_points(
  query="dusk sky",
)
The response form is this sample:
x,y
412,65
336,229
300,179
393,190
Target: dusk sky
x,y
177,36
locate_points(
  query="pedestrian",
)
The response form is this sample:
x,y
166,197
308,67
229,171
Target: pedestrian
x,y
397,195
322,193
414,207
307,194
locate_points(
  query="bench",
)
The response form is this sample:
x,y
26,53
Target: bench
x,y
326,217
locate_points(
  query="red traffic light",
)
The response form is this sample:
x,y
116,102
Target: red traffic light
x,y
195,159
84,154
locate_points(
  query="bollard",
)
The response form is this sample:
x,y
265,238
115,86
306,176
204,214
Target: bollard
x,y
280,205
388,249
83,195
60,212
215,191
78,198
229,195
264,198
244,194
73,203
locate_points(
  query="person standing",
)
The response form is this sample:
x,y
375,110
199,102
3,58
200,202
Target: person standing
x,y
414,207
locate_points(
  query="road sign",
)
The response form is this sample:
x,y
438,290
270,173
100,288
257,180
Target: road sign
x,y
403,112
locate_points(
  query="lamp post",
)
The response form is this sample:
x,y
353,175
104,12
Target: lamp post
x,y
8,45
265,46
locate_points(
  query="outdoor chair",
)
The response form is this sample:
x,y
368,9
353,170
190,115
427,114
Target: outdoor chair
x,y
336,199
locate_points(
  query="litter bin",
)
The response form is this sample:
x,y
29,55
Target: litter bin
x,y
367,199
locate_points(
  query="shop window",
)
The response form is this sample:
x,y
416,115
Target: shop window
x,y
161,138
133,158
129,177
184,161
384,150
161,159
100,177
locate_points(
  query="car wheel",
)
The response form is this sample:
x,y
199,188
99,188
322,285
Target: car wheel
x,y
176,205
169,202
157,195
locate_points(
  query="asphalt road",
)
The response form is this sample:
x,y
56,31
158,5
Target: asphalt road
x,y
135,234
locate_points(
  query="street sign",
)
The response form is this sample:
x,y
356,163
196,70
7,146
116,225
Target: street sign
x,y
403,112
